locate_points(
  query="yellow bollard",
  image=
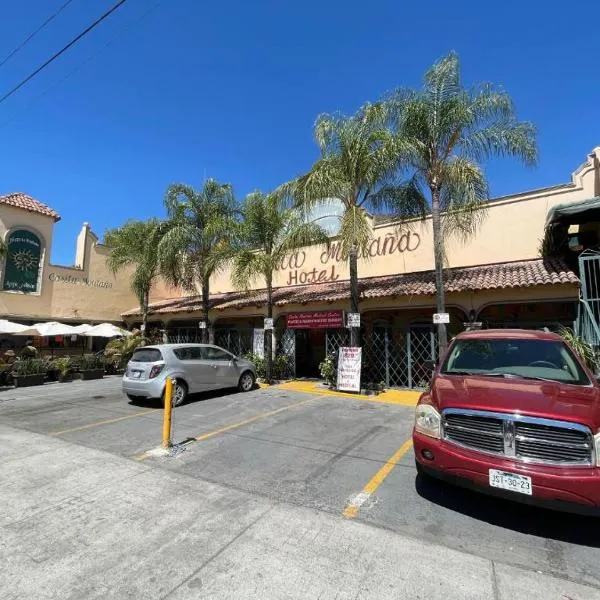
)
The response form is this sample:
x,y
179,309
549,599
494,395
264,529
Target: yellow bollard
x,y
166,441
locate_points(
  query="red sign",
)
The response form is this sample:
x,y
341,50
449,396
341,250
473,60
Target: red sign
x,y
324,319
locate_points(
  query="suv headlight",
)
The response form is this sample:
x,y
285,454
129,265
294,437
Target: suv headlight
x,y
597,447
428,421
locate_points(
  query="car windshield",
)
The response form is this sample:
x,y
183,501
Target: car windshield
x,y
146,355
529,359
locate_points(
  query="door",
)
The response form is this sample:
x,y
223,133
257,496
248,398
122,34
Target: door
x,y
197,371
223,368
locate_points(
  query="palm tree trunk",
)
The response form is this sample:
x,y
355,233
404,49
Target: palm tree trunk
x,y
269,332
438,257
353,263
207,334
145,302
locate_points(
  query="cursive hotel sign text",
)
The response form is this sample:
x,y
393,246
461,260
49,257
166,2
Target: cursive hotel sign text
x,y
386,245
79,281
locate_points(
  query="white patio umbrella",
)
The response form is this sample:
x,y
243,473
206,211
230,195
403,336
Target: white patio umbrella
x,y
49,329
10,327
81,329
107,330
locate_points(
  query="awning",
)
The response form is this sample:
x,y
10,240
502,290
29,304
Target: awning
x,y
576,212
518,274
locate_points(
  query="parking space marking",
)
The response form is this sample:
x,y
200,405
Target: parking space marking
x,y
99,423
354,505
210,434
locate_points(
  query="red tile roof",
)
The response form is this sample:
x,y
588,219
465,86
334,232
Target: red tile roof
x,y
21,200
527,273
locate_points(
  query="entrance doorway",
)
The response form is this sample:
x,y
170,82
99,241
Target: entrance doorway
x,y
310,351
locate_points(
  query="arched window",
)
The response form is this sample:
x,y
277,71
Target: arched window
x,y
22,270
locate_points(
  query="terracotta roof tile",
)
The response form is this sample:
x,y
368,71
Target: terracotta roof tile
x,y
25,202
527,273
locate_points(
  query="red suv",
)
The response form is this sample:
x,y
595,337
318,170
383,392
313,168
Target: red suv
x,y
514,413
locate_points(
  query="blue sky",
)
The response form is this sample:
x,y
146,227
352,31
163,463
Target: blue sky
x,y
231,89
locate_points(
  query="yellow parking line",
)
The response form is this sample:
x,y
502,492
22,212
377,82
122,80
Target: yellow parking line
x,y
98,423
353,507
210,434
399,397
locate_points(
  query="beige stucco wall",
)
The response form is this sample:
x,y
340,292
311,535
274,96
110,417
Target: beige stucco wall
x,y
512,230
88,292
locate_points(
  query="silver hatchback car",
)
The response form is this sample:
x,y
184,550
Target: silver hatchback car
x,y
195,368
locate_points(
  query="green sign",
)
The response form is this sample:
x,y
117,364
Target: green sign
x,y
22,262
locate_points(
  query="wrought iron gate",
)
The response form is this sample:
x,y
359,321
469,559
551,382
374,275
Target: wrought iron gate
x,y
400,362
237,341
588,320
286,345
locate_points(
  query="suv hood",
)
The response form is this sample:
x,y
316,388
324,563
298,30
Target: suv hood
x,y
580,404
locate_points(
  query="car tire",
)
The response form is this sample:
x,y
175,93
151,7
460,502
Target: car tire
x,y
180,393
246,382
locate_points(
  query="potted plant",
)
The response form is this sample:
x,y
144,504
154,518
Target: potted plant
x,y
28,372
63,369
91,367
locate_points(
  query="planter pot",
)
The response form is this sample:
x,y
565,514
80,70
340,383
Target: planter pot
x,y
92,374
65,378
29,380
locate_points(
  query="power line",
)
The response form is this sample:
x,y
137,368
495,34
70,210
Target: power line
x,y
32,35
93,55
62,50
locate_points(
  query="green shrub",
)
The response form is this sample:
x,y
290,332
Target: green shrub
x,y
281,364
584,350
91,362
328,369
30,366
63,366
119,351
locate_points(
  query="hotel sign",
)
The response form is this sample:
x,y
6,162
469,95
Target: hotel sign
x,y
324,319
22,262
299,272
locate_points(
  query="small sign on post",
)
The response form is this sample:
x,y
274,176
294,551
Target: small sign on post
x,y
441,318
348,372
268,323
353,320
202,324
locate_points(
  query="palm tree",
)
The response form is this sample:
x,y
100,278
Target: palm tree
x,y
136,244
445,132
359,165
268,231
196,245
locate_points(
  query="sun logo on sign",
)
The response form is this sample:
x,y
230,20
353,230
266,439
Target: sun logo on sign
x,y
24,260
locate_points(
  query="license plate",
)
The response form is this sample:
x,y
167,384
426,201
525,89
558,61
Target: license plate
x,y
135,374
511,481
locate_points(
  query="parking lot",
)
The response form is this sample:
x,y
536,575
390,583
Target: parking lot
x,y
345,457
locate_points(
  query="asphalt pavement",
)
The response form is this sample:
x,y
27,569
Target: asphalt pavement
x,y
254,503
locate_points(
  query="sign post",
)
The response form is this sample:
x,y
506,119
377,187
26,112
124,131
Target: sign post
x,y
348,372
441,318
268,323
166,440
353,320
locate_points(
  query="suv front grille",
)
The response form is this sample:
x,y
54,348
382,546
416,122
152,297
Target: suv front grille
x,y
518,437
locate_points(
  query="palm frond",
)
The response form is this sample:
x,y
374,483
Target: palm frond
x,y
463,198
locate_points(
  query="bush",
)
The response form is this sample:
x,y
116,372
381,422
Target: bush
x,y
91,362
281,363
119,351
584,350
30,366
328,369
63,366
